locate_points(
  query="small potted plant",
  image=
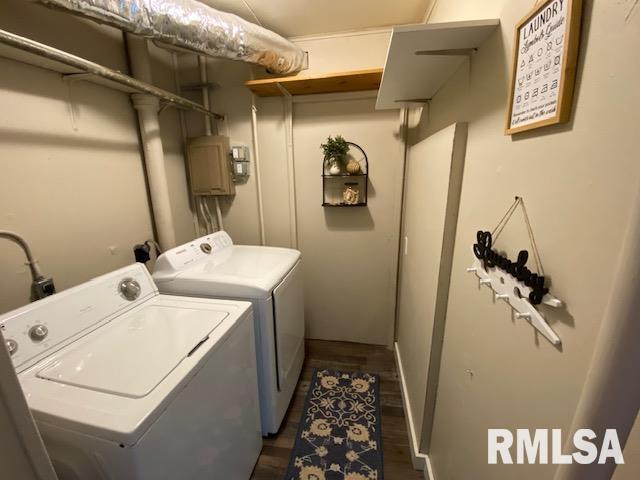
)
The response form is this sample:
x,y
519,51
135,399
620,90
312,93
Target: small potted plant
x,y
334,153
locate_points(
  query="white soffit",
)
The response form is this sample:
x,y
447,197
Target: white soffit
x,y
294,18
421,58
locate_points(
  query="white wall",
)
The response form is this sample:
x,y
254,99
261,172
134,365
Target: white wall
x,y
631,469
433,179
74,185
333,244
343,52
350,254
578,181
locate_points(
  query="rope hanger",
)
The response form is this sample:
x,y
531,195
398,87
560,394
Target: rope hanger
x,y
495,233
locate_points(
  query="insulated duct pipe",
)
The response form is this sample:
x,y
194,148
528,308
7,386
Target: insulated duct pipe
x,y
148,107
192,25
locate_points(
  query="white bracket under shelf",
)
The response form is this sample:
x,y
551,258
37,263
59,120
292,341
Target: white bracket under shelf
x,y
516,294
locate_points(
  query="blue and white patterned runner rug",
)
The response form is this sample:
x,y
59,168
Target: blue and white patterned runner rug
x,y
339,436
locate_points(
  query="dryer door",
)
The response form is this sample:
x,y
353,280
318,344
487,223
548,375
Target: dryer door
x,y
288,299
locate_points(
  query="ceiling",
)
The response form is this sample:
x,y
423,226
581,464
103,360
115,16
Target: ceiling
x,y
292,18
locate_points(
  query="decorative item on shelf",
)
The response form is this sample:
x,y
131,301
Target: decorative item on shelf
x,y
544,65
512,281
353,167
351,193
337,167
334,168
334,152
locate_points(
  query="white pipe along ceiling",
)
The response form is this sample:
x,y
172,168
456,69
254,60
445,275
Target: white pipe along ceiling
x,y
192,25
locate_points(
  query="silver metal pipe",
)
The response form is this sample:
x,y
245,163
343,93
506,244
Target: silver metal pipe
x,y
31,261
88,67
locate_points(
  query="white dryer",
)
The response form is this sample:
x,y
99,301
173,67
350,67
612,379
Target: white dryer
x,y
269,277
125,383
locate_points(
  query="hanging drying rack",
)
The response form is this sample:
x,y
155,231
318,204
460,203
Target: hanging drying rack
x,y
75,68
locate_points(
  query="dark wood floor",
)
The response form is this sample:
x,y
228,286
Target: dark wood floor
x,y
348,357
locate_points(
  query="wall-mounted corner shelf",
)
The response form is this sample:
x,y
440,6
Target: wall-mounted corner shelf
x,y
353,81
74,68
344,189
421,58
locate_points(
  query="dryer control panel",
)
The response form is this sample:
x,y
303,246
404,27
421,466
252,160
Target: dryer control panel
x,y
200,249
43,327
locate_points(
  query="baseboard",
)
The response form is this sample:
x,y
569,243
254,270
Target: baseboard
x,y
420,460
428,469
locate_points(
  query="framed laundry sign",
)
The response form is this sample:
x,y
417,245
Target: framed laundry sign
x,y
544,65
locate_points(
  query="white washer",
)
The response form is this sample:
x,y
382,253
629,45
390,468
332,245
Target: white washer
x,y
125,383
271,278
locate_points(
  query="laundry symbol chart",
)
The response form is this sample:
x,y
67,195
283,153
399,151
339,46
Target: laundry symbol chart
x,y
540,66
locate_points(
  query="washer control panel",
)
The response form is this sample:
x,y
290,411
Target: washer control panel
x,y
199,249
40,328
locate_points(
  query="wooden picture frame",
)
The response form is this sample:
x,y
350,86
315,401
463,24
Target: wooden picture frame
x,y
545,55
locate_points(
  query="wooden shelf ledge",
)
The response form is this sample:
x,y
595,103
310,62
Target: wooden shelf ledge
x,y
354,81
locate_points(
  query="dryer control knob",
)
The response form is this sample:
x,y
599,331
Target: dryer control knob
x,y
130,289
38,333
12,346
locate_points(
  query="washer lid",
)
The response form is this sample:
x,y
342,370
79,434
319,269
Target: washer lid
x,y
132,355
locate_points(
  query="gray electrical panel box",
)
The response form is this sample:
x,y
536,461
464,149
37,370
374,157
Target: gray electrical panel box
x,y
210,165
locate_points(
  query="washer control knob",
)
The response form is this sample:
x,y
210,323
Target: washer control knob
x,y
130,289
206,248
12,346
38,333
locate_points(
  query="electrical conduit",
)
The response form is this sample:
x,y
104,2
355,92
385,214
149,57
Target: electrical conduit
x,y
208,130
293,215
256,157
